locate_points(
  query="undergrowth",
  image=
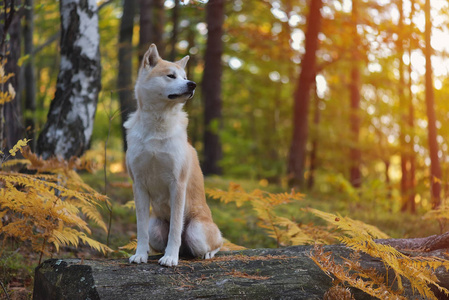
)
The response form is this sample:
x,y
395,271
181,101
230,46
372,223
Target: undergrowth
x,y
419,271
48,208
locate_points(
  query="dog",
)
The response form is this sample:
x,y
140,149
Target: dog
x,y
165,169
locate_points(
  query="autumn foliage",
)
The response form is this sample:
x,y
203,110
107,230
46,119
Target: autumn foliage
x,y
359,236
51,206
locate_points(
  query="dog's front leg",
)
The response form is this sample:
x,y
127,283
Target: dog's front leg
x,y
142,200
177,205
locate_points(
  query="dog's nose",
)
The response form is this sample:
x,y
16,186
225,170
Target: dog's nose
x,y
191,85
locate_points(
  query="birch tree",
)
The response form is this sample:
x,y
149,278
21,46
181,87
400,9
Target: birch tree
x,y
70,119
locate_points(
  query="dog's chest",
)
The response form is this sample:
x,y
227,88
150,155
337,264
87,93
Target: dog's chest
x,y
157,161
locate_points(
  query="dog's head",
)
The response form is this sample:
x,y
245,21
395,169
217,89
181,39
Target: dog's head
x,y
161,80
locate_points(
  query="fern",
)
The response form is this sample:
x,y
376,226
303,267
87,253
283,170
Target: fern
x,y
419,271
350,226
355,234
284,231
47,209
365,280
132,245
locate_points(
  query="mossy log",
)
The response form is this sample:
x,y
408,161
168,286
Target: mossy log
x,y
286,273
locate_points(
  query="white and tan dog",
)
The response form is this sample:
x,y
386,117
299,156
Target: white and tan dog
x,y
165,169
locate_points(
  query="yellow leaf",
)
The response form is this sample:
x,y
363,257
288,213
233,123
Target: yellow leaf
x,y
18,146
22,59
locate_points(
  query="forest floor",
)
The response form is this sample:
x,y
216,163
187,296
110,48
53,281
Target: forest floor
x,y
239,225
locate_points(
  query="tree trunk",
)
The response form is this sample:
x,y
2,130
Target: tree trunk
x,y
355,176
285,273
125,69
30,75
316,123
193,108
402,110
151,26
158,25
411,123
146,26
430,243
211,87
174,36
387,177
12,110
435,169
70,120
306,80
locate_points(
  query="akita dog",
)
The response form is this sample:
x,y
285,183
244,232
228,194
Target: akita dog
x,y
165,169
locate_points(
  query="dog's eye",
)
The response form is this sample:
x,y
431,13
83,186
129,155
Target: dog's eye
x,y
171,76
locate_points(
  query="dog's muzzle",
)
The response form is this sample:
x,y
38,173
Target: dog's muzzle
x,y
190,91
191,86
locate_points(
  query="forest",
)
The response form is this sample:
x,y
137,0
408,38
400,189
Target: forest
x,y
315,122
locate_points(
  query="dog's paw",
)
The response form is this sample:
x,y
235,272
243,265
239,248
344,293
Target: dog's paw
x,y
138,258
210,254
169,260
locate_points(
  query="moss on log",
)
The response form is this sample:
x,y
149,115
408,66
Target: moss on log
x,y
285,273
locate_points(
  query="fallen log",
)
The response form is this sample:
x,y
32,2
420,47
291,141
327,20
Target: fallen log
x,y
286,273
424,244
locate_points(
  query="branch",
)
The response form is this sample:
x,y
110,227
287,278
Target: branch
x,y
4,289
53,38
426,244
56,36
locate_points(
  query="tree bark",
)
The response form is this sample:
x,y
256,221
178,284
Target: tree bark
x,y
14,129
30,75
298,152
313,152
152,23
158,25
211,87
70,120
174,36
402,110
435,169
125,68
286,273
355,155
411,123
425,244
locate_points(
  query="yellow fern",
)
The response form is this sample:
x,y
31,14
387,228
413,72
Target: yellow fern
x,y
419,271
14,162
284,231
132,245
348,225
366,280
48,208
19,145
130,205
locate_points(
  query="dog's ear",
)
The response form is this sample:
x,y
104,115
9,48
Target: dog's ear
x,y
183,62
151,57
